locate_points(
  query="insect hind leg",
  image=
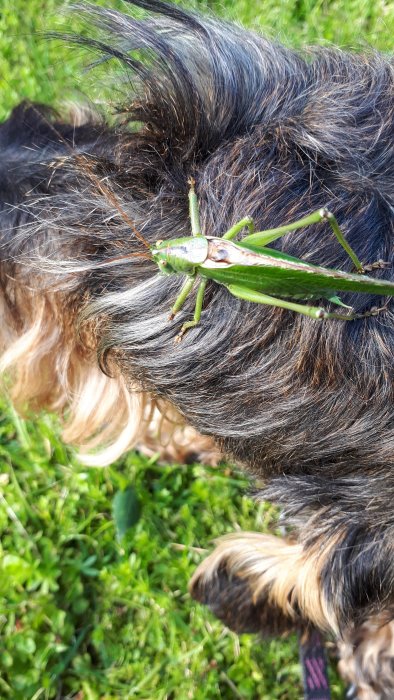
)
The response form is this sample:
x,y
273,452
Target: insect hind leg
x,y
258,298
373,311
243,223
360,268
263,238
316,312
377,265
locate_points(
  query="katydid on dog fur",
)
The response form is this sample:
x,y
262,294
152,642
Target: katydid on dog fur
x,y
248,268
253,272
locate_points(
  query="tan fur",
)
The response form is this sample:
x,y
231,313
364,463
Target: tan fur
x,y
367,659
282,573
51,366
167,435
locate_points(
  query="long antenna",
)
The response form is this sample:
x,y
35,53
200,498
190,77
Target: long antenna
x,y
121,258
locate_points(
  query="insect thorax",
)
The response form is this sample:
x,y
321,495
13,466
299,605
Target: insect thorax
x,y
180,255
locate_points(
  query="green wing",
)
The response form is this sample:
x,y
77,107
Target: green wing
x,y
295,279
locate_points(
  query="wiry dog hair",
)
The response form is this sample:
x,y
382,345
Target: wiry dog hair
x,y
305,406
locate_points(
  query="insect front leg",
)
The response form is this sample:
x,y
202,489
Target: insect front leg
x,y
197,311
181,298
194,211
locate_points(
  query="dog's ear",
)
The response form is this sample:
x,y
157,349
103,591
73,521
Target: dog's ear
x,y
26,123
35,126
21,135
31,139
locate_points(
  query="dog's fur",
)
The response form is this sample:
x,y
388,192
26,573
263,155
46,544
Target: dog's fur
x,y
305,406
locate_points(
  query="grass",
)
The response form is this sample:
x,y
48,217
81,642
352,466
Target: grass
x,y
85,613
33,68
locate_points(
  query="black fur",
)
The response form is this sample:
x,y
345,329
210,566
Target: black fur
x,y
266,132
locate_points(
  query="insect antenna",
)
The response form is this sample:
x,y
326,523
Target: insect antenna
x,y
123,258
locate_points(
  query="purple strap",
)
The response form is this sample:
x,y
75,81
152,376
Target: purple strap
x,y
314,666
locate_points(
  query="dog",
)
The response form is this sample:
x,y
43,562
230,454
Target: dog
x,y
304,406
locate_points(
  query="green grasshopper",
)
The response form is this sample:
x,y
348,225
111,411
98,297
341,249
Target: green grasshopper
x,y
252,271
249,269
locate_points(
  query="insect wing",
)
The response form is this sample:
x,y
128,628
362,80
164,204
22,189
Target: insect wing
x,y
275,273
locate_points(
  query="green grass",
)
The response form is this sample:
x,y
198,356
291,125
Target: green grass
x,y
345,23
82,611
31,67
84,614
